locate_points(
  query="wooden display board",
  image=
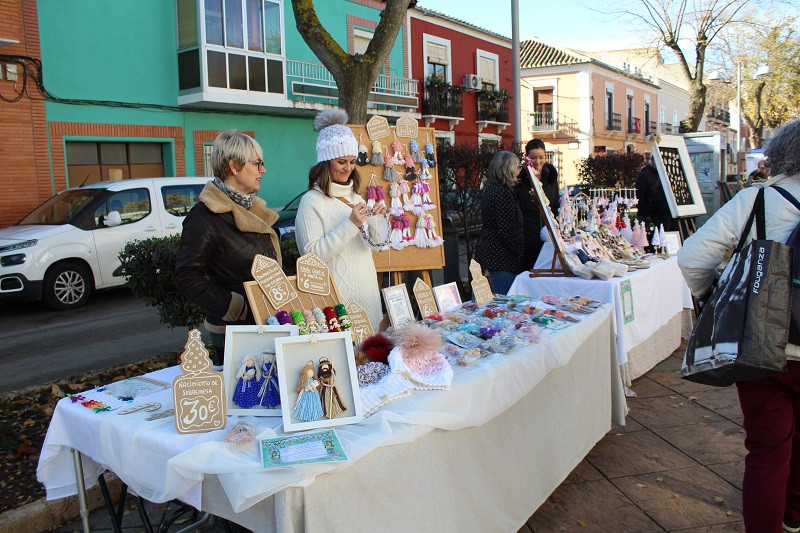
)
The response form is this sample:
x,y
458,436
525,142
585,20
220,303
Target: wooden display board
x,y
263,309
410,257
559,246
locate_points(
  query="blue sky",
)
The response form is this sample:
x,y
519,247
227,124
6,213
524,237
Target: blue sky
x,y
561,22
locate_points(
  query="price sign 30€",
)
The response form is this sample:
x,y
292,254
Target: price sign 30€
x,y
198,393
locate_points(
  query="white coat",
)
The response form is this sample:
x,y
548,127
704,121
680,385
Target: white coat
x,y
705,250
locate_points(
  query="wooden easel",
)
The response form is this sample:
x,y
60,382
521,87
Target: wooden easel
x,y
550,222
687,226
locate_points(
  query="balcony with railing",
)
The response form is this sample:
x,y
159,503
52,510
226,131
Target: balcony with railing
x,y
614,122
719,112
666,128
634,125
442,102
651,127
493,109
542,121
312,82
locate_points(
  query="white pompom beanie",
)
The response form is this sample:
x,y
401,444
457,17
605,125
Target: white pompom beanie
x,y
335,138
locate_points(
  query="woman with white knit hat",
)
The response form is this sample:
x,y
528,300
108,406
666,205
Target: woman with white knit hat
x,y
334,222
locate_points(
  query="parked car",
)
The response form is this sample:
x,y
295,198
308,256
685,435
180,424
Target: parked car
x,y
284,226
69,246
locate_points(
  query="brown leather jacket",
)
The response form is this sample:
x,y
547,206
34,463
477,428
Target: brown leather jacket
x,y
218,243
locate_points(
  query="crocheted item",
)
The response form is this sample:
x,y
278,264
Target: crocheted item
x,y
417,356
377,347
335,138
370,373
391,387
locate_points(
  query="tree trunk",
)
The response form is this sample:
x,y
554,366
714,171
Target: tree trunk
x,y
355,82
697,103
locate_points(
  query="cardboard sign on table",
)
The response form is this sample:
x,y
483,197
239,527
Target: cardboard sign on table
x,y
313,275
198,392
425,299
362,328
270,277
480,285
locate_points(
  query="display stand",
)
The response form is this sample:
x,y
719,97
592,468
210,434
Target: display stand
x,y
687,226
411,257
559,247
263,309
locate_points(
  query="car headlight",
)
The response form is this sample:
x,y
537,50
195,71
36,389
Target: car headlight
x,y
19,245
11,260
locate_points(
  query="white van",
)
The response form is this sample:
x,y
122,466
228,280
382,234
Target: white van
x,y
69,245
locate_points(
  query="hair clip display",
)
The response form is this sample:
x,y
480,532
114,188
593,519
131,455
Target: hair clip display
x,y
332,404
308,406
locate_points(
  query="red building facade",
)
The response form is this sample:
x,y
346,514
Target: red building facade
x,y
465,73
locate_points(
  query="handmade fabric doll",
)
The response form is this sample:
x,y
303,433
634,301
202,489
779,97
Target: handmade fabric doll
x,y
322,321
341,314
313,327
389,174
308,406
377,154
362,153
429,152
416,356
299,320
269,393
249,380
333,322
283,318
397,146
416,156
425,174
332,404
411,170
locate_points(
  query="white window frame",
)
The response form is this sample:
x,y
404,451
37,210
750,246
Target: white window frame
x,y
362,34
426,38
608,112
489,137
449,136
494,57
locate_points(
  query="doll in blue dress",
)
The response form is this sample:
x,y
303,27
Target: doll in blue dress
x,y
248,383
308,405
269,394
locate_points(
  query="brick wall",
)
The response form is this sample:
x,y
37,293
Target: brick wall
x,y
24,162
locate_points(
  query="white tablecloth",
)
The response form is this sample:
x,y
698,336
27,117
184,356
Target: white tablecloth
x,y
658,294
482,456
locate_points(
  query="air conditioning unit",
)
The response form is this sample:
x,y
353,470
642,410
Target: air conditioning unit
x,y
472,82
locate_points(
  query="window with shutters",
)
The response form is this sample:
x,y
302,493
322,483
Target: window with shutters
x,y
437,59
487,66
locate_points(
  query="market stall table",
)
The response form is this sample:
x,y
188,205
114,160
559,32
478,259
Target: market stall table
x,y
482,456
648,306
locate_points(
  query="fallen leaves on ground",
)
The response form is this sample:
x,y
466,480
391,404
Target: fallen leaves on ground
x,y
25,416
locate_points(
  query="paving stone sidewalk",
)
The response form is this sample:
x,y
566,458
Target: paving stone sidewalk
x,y
677,465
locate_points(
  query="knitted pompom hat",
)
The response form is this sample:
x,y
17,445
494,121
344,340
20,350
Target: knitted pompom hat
x,y
335,138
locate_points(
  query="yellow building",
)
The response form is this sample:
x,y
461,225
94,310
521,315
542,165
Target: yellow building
x,y
579,105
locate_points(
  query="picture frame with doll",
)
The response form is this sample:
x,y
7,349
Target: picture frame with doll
x,y
250,373
322,383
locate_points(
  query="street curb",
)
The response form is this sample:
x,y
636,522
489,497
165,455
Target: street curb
x,y
41,515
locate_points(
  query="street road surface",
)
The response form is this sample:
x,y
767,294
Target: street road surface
x,y
38,346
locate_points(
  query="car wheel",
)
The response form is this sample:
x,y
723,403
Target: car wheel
x,y
67,286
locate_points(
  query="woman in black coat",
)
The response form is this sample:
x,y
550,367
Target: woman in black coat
x,y
501,242
523,190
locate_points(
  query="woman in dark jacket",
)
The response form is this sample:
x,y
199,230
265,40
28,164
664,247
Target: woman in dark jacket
x,y
222,233
523,190
500,247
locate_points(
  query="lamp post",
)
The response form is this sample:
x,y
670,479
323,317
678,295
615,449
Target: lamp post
x,y
515,75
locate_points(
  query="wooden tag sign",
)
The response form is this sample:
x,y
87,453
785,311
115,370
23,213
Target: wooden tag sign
x,y
481,289
270,277
425,299
313,275
378,128
406,126
362,328
198,393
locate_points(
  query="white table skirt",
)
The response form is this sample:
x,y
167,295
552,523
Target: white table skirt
x,y
483,455
659,293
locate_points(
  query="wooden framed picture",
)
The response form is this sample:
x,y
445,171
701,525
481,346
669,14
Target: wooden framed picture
x,y
398,305
447,296
671,158
252,386
672,242
321,383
